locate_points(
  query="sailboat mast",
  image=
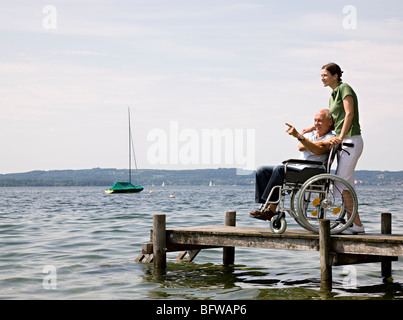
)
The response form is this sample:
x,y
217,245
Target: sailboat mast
x,y
130,149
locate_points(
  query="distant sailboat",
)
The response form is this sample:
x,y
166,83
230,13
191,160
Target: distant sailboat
x,y
127,187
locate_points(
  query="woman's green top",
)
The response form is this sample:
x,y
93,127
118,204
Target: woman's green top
x,y
336,108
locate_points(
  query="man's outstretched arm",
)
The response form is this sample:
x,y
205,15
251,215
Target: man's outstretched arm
x,y
317,147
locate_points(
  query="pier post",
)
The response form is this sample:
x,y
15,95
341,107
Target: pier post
x,y
159,241
229,252
386,228
324,250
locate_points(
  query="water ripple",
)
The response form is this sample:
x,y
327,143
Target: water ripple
x,y
91,239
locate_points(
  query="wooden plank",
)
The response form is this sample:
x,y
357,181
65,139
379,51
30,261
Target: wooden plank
x,y
147,248
222,236
145,257
324,249
172,247
334,249
380,245
159,240
386,228
228,257
190,253
341,259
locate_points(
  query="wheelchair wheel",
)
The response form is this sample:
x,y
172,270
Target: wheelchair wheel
x,y
278,224
293,208
327,196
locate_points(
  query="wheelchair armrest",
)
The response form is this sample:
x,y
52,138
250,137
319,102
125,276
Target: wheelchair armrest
x,y
301,161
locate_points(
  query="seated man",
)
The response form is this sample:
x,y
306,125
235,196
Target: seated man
x,y
315,146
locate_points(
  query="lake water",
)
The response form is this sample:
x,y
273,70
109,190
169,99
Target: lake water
x,y
81,243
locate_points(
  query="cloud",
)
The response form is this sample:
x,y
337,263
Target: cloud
x,y
204,64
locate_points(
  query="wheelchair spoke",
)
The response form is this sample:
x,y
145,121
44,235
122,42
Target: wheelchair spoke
x,y
323,197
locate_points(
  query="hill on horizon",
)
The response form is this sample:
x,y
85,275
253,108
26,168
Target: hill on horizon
x,y
148,177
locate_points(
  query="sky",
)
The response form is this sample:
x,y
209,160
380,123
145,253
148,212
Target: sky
x,y
209,84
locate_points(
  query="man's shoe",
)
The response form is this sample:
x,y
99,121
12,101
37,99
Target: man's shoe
x,y
265,215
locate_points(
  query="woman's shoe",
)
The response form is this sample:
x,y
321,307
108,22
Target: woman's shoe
x,y
354,230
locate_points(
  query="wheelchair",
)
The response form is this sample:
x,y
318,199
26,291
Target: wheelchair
x,y
315,193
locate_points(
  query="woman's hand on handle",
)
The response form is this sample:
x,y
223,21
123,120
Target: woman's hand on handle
x,y
333,141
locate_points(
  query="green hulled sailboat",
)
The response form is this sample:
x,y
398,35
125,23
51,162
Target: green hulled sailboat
x,y
124,187
127,187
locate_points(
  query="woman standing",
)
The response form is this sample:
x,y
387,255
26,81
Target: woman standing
x,y
343,106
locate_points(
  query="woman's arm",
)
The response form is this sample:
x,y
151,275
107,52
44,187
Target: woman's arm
x,y
348,103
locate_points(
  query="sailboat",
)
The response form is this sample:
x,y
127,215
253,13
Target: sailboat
x,y
127,187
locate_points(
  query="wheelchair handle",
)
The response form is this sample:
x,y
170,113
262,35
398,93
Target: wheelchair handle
x,y
347,144
344,144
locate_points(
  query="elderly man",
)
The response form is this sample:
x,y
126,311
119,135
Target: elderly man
x,y
314,146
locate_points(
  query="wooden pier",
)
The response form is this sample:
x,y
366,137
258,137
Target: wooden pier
x,y
334,250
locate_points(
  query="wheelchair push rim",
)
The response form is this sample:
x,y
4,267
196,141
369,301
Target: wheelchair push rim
x,y
324,196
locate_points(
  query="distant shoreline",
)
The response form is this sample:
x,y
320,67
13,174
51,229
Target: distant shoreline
x,y
149,177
